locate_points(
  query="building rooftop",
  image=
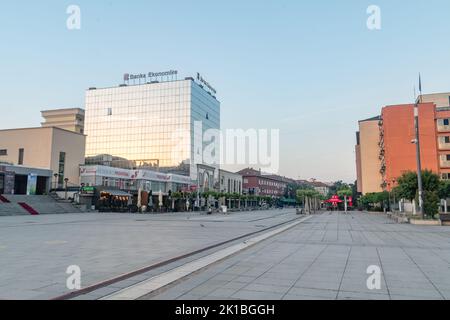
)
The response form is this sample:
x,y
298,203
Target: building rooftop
x,y
41,128
376,118
125,85
79,110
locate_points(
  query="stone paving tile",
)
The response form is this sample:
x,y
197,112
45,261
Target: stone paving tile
x,y
349,295
266,288
318,293
257,295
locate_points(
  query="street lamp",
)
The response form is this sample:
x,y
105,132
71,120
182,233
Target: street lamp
x,y
393,192
66,180
56,179
416,141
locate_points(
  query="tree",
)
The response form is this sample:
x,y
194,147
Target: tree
x,y
432,187
444,189
309,198
345,192
371,200
431,204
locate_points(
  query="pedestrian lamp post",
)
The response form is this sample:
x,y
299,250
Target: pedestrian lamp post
x,y
56,179
389,195
66,180
393,192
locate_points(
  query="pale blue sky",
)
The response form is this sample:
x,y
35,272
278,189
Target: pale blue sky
x,y
309,68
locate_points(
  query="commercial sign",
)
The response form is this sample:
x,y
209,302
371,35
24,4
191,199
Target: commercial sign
x,y
105,172
117,173
129,76
152,176
87,190
205,83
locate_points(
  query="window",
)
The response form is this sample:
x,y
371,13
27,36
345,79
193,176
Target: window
x,y
21,155
448,157
447,139
446,122
61,168
3,152
109,111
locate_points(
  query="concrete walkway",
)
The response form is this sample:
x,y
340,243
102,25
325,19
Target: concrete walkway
x,y
327,258
35,251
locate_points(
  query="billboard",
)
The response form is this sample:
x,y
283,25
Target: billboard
x,y
31,184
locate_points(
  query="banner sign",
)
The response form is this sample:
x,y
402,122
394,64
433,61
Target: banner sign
x,y
31,184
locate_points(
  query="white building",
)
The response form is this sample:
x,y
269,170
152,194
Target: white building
x,y
230,182
133,180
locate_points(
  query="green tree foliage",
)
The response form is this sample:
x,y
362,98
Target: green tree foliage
x,y
345,192
444,190
408,186
431,203
372,200
433,188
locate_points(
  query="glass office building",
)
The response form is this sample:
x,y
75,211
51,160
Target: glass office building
x,y
148,125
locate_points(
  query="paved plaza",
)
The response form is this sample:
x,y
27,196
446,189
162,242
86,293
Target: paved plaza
x,y
327,257
35,251
323,257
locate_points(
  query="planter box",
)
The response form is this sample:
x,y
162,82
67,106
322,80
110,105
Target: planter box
x,y
425,222
445,219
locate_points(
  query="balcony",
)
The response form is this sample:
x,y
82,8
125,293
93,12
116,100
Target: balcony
x,y
443,144
445,161
443,125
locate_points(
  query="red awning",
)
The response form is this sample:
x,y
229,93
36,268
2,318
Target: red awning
x,y
334,200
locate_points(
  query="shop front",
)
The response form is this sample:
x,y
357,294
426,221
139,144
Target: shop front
x,y
139,188
24,181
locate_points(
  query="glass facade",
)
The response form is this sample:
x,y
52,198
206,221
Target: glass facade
x,y
148,126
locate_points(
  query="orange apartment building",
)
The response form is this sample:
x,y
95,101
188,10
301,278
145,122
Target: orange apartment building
x,y
395,150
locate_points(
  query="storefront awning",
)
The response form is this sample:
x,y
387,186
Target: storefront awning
x,y
117,193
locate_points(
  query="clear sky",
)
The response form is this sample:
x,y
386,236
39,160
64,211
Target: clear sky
x,y
309,68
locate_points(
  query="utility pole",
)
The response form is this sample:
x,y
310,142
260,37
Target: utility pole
x,y
417,142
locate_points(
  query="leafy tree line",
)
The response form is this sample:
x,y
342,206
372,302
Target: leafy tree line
x,y
434,189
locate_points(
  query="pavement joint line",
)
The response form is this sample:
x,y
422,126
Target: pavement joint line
x,y
383,273
157,282
423,273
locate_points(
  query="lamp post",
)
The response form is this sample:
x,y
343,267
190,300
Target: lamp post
x,y
66,180
56,179
416,141
389,195
393,192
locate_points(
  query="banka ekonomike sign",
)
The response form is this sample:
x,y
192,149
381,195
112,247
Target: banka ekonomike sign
x,y
150,75
205,83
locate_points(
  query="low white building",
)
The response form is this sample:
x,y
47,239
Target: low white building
x,y
321,187
124,179
230,182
